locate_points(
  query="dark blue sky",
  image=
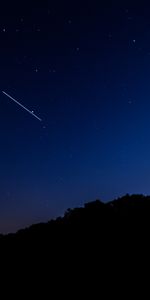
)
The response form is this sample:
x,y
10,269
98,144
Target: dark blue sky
x,y
84,68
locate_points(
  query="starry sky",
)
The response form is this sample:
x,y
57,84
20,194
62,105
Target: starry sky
x,y
84,69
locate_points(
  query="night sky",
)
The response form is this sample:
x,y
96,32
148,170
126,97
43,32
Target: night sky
x,y
84,69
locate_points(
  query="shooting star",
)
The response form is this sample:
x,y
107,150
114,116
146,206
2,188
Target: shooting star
x,y
29,111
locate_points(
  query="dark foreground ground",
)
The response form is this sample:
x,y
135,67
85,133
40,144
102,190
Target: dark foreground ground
x,y
107,244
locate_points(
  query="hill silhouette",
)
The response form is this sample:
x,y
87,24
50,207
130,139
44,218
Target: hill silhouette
x,y
101,244
128,213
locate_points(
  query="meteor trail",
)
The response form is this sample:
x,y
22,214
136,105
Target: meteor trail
x,y
29,111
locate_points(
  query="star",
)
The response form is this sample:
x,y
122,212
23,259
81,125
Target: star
x,y
134,41
77,48
4,30
36,70
130,18
129,101
109,36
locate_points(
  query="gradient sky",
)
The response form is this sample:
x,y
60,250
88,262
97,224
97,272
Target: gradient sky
x,y
84,68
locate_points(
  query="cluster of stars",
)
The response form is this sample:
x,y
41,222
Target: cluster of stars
x,y
36,70
4,30
35,29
